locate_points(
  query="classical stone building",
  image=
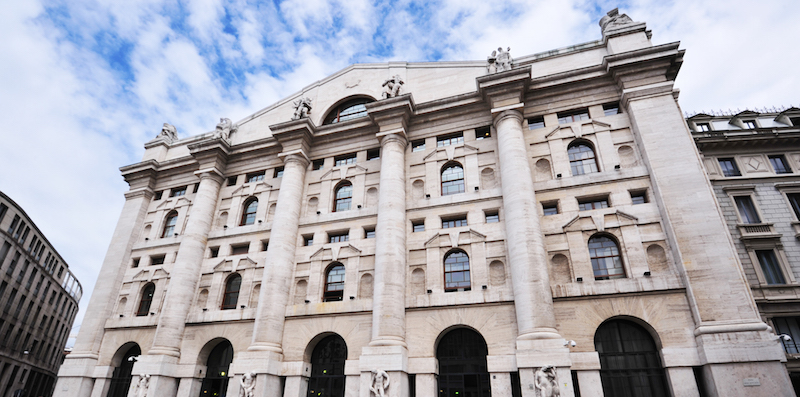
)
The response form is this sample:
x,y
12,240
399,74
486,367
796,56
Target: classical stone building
x,y
753,160
39,297
504,227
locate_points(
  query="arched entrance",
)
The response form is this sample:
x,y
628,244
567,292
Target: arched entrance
x,y
121,378
630,365
215,384
327,368
462,364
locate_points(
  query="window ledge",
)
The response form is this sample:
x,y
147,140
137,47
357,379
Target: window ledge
x,y
749,231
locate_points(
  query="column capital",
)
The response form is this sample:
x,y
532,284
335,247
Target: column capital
x,y
210,173
145,192
298,156
398,135
211,153
295,136
514,111
140,175
392,115
504,88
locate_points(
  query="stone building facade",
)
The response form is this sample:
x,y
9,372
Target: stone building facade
x,y
753,159
505,227
39,297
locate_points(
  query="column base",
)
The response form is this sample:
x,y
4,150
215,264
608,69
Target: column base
x,y
76,377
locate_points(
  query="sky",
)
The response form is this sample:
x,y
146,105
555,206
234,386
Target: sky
x,y
85,83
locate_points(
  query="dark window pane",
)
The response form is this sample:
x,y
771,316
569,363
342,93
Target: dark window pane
x,y
779,164
770,267
456,271
746,209
606,261
729,167
344,198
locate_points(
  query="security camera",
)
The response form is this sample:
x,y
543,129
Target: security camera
x,y
785,338
132,358
570,343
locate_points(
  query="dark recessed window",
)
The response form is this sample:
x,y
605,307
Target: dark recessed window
x,y
231,295
3,210
791,327
264,245
770,267
749,124
448,140
344,159
157,196
277,172
456,271
795,121
452,179
550,208
343,197
703,127
369,232
308,240
639,196
317,164
483,132
334,283
373,154
592,203
249,211
779,164
196,188
418,146
606,261
573,115
232,180
213,252
418,225
454,222
135,262
747,210
582,159
338,237
240,249
146,299
169,224
177,191
794,201
349,110
611,109
492,216
157,260
536,122
729,167
255,177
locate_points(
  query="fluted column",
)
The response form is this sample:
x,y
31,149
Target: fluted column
x,y
277,280
524,239
186,272
388,307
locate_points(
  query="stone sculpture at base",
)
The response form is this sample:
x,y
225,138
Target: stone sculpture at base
x,y
247,385
546,382
142,385
380,382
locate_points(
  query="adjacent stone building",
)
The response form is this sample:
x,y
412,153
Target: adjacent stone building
x,y
753,160
39,297
504,227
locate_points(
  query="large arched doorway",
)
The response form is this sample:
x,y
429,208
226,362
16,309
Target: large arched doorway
x,y
462,364
630,365
327,368
121,378
215,384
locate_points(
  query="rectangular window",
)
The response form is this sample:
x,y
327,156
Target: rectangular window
x,y
213,252
19,230
749,124
573,115
24,235
255,177
3,287
278,172
536,122
747,210
779,164
593,203
135,262
373,154
550,208
703,127
308,240
344,159
483,132
177,191
418,146
157,196
13,265
4,252
264,245
13,224
729,167
3,210
33,242
240,249
22,271
611,109
770,267
338,237
448,223
492,216
794,201
788,326
449,140
795,121
232,180
639,196
418,225
317,164
157,260
195,188
29,284
369,232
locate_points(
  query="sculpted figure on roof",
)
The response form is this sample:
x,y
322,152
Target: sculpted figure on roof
x,y
169,131
613,19
499,61
392,85
224,128
302,107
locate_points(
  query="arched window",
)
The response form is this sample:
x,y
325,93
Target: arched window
x,y
334,283
462,364
146,300
344,197
348,110
219,361
122,376
581,158
249,211
606,261
629,361
231,295
456,271
327,368
452,179
169,224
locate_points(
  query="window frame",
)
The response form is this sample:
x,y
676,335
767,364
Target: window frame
x,y
179,191
702,127
446,272
229,293
548,206
447,220
623,273
170,224
536,122
417,225
782,263
334,115
593,200
249,214
337,200
581,163
453,139
639,193
787,169
484,132
334,295
141,310
339,237
452,182
569,116
726,173
345,159
255,177
750,194
418,146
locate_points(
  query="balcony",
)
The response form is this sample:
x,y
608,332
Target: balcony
x,y
753,231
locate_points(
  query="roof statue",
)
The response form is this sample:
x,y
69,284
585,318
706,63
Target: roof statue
x,y
392,85
168,131
224,128
613,19
499,61
302,107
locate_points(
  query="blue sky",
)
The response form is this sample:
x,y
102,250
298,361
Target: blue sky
x,y
84,83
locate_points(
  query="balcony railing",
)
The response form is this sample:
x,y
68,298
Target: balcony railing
x,y
757,230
